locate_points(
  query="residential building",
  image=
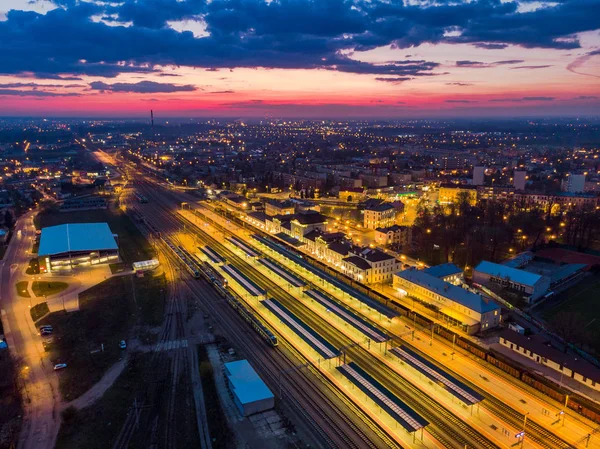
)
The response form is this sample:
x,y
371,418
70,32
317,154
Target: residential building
x,y
380,216
519,179
478,176
394,235
449,193
459,306
370,266
573,183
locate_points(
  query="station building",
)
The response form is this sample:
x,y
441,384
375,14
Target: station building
x,y
531,285
66,246
459,306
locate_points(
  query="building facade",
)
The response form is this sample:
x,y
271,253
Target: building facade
x,y
380,216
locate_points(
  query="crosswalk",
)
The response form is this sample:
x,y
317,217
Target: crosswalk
x,y
170,345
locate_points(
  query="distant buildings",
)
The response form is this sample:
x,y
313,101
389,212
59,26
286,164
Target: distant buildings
x,y
519,179
452,194
461,307
380,216
478,176
573,183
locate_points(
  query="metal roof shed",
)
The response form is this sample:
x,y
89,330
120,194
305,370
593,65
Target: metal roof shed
x,y
76,237
250,393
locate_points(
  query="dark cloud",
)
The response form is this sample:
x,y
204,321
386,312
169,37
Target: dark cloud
x,y
395,80
530,67
488,46
298,34
460,101
35,93
37,85
518,100
168,74
479,64
459,84
223,92
586,97
143,87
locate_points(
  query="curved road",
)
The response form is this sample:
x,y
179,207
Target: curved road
x,y
40,394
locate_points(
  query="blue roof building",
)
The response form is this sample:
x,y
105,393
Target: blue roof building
x,y
533,286
447,272
250,393
67,245
469,310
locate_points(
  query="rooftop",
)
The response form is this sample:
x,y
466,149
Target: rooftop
x,y
76,237
358,262
514,274
393,228
447,290
381,207
310,217
245,383
443,270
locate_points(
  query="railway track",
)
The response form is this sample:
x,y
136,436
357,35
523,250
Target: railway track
x,y
333,424
535,431
447,427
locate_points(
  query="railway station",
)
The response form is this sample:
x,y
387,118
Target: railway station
x,y
281,272
354,320
346,289
407,417
314,340
243,281
455,387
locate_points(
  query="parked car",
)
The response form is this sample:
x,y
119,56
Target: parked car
x,y
122,344
46,328
60,366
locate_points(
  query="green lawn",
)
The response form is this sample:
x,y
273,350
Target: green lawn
x,y
132,244
45,289
98,426
106,315
34,267
38,311
22,289
584,299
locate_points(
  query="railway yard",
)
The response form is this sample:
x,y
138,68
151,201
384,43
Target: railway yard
x,y
347,370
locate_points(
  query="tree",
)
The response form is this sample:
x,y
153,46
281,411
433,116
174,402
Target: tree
x,y
9,220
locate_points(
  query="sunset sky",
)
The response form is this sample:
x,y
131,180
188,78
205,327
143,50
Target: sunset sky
x,y
299,58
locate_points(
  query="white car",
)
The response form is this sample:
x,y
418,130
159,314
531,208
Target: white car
x,y
60,366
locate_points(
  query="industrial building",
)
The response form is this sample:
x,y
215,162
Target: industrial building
x,y
459,306
250,393
66,246
531,285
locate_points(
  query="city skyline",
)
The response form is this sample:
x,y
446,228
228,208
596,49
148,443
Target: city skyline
x,y
299,59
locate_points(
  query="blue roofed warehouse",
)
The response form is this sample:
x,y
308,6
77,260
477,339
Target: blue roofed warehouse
x,y
66,246
250,393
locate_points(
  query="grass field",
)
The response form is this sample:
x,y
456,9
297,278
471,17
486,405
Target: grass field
x,y
584,299
97,427
45,289
22,289
132,244
106,314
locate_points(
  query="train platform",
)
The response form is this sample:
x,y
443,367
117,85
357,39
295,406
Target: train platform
x,y
240,244
407,417
281,272
350,317
345,288
212,255
428,369
314,340
243,281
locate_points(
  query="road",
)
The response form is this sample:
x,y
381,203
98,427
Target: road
x,y
41,421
